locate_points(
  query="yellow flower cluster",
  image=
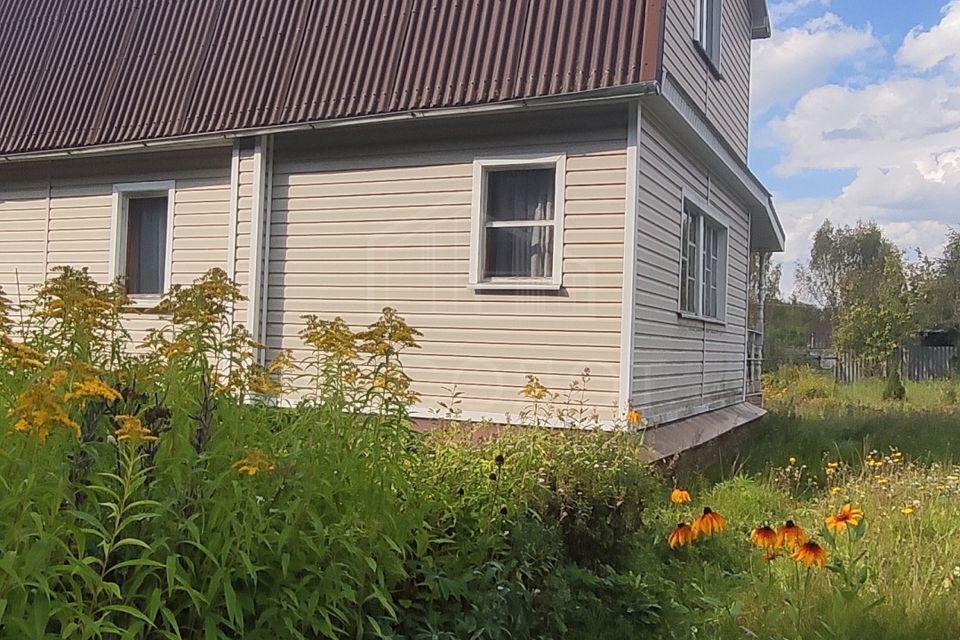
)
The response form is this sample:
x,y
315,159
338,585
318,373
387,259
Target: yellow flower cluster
x,y
91,388
254,462
534,389
132,430
22,355
38,411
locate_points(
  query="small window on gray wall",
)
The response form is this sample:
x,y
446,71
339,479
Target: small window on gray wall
x,y
709,14
703,264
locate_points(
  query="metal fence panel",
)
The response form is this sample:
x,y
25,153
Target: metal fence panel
x,y
917,363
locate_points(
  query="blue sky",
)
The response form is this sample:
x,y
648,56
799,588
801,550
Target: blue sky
x,y
856,116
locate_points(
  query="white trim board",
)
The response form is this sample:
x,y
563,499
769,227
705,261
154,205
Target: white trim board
x,y
259,239
630,224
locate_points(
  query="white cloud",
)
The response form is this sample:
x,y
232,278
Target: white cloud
x,y
899,135
798,59
924,50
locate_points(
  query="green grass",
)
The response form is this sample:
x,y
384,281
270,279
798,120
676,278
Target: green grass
x,y
896,578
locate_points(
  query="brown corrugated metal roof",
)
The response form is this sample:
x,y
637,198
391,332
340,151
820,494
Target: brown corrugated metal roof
x,y
81,73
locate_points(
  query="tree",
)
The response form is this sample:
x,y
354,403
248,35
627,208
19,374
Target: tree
x,y
936,284
877,319
845,264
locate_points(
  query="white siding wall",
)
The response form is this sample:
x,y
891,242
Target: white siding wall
x,y
75,229
683,366
725,101
356,230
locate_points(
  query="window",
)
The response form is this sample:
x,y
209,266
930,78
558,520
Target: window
x,y
703,255
517,223
708,29
141,238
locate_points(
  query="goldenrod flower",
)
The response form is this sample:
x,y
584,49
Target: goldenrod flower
x,y
132,430
765,538
92,388
848,516
810,553
680,496
836,491
681,536
709,523
254,462
790,535
907,510
39,409
534,389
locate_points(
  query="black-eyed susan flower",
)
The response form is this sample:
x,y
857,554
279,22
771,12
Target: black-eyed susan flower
x,y
765,538
709,523
847,517
680,496
810,553
790,535
681,536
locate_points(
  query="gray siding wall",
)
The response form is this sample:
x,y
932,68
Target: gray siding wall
x,y
682,366
724,100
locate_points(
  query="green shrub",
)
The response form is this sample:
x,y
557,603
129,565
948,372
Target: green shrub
x,y
893,388
157,494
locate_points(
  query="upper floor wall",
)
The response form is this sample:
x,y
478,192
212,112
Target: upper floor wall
x,y
721,91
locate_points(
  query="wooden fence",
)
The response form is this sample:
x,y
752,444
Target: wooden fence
x,y
916,363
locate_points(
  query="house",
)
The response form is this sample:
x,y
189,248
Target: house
x,y
538,186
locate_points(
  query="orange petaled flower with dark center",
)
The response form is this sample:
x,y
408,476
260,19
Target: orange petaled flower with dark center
x,y
790,536
681,536
810,553
848,517
709,523
680,496
765,538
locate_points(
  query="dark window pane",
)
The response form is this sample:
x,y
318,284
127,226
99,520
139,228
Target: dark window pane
x,y
519,252
526,194
146,245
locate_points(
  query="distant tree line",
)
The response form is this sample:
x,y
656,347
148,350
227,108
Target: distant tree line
x,y
865,294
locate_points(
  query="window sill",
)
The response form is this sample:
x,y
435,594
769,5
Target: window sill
x,y
516,285
686,315
144,303
711,65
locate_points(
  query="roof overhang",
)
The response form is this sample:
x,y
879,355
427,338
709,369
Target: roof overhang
x,y
582,98
760,19
675,109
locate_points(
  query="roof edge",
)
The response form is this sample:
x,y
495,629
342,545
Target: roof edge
x,y
223,138
691,125
760,15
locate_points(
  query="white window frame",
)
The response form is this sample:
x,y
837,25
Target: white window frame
x,y
705,216
122,194
704,40
482,167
